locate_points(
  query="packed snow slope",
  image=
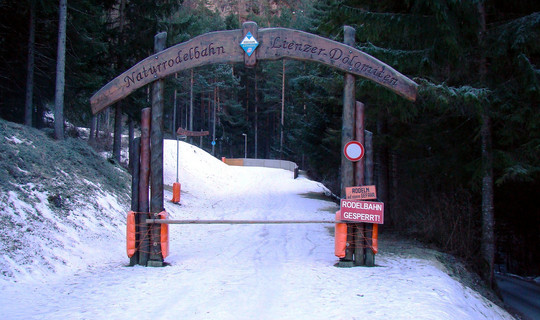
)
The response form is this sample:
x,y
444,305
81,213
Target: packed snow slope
x,y
60,203
233,271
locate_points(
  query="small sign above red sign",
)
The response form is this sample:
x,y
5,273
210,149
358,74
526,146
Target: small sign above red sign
x,y
183,132
353,151
362,211
361,193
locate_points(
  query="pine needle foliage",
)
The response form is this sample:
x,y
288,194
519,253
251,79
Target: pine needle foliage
x,y
437,138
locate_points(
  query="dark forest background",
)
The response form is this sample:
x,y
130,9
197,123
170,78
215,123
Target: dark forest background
x,y
476,63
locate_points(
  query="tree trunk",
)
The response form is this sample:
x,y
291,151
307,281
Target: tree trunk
x,y
98,126
191,107
256,116
214,121
60,73
209,110
28,104
107,120
488,219
131,134
93,127
282,112
393,186
117,144
381,162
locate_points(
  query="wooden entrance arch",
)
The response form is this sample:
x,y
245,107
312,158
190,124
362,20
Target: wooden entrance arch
x,y
225,47
274,43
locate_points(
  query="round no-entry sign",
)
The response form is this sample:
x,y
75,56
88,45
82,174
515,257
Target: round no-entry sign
x,y
353,151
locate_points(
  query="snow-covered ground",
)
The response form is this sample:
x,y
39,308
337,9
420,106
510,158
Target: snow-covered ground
x,y
240,271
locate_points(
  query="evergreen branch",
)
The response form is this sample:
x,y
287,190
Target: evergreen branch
x,y
401,17
520,35
465,99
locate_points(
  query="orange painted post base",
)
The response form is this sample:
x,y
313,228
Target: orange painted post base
x,y
131,245
375,239
340,236
176,192
164,235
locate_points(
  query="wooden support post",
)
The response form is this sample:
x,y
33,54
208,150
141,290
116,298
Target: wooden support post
x,y
169,221
360,137
134,158
359,238
144,182
347,132
156,141
368,179
369,164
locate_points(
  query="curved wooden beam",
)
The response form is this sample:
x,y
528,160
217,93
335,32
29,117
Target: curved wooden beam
x,y
274,43
209,48
279,43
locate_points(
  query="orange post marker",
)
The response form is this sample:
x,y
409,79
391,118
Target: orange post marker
x,y
164,235
130,234
375,238
340,237
176,192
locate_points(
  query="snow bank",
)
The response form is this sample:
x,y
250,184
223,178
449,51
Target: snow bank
x,y
43,243
61,205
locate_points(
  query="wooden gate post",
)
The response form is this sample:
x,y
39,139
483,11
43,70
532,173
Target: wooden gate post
x,y
144,172
347,133
347,129
368,179
359,236
134,158
156,141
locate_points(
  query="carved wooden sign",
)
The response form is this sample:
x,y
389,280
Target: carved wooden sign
x,y
280,42
274,43
187,133
214,47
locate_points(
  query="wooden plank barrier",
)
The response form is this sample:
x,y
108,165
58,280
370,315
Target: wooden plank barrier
x,y
234,162
167,221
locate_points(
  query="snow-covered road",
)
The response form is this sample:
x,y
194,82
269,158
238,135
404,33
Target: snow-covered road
x,y
247,271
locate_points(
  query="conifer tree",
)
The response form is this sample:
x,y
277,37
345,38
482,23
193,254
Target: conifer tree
x,y
436,138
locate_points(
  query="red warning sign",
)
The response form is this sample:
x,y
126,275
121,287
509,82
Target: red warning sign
x,y
362,211
354,151
361,193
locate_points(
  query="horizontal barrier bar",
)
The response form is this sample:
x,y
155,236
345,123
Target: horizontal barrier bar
x,y
167,221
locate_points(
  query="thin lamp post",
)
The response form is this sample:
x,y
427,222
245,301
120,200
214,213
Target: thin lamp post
x,y
245,145
177,153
